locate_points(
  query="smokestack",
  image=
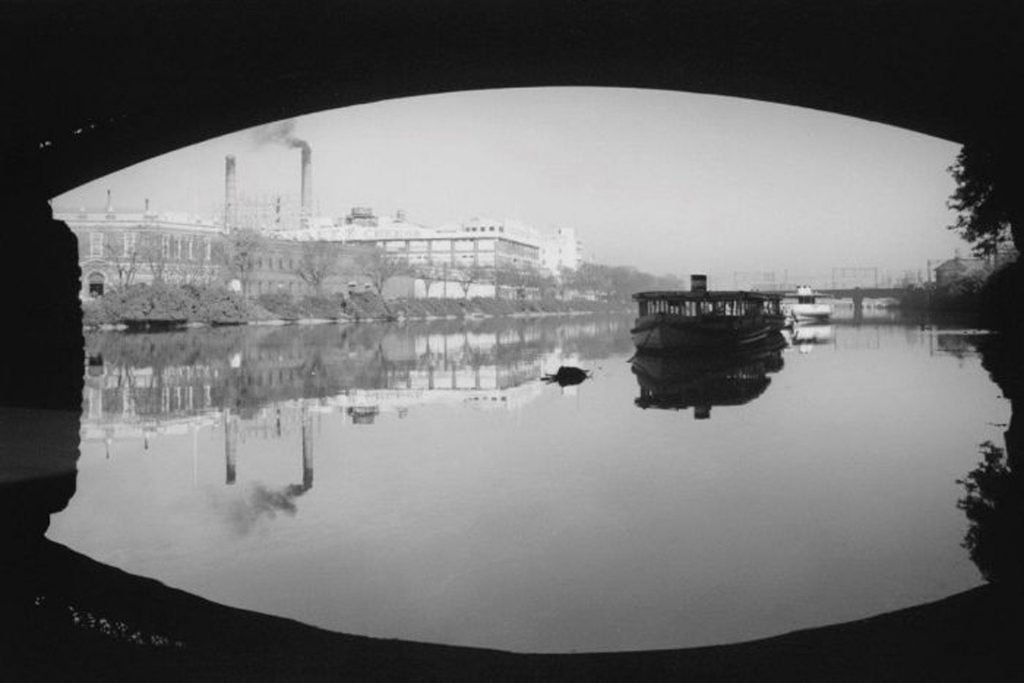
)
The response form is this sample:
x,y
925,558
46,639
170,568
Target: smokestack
x,y
698,283
307,186
230,193
110,204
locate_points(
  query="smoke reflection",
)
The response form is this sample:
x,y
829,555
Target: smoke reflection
x,y
264,503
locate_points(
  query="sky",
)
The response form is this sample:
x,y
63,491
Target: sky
x,y
664,181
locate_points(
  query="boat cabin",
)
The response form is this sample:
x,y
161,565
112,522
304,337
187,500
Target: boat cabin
x,y
805,295
700,304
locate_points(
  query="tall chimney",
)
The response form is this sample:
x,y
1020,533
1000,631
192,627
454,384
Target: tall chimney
x,y
307,187
110,203
230,193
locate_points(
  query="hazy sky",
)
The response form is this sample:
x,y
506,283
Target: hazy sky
x,y
666,181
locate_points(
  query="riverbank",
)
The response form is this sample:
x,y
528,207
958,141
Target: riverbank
x,y
162,308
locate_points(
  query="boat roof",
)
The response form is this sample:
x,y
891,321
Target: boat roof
x,y
680,295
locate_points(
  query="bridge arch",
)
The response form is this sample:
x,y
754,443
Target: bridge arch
x,y
126,83
112,84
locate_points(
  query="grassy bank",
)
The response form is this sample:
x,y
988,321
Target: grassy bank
x,y
167,307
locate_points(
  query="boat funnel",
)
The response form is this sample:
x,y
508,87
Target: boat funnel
x,y
698,283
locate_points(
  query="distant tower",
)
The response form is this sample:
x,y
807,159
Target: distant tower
x,y
306,210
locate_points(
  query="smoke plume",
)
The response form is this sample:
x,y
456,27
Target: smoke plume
x,y
280,133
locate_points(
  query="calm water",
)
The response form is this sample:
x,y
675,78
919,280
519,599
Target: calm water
x,y
420,481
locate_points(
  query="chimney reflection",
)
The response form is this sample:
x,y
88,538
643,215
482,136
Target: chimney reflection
x,y
230,447
307,449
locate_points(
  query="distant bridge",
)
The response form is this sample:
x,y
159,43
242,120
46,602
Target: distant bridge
x,y
855,293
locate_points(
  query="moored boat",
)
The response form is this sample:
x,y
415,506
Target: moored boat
x,y
701,319
808,308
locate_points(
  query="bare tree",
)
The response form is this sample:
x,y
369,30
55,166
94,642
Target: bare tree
x,y
154,254
319,261
428,274
125,258
240,252
191,272
379,267
468,275
520,278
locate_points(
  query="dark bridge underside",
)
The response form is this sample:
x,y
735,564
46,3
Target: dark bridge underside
x,y
143,78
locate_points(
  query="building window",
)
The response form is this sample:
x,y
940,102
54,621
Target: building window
x,y
190,249
209,248
129,243
96,244
165,246
96,281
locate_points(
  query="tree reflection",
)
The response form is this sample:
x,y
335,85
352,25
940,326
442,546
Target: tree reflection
x,y
993,497
994,504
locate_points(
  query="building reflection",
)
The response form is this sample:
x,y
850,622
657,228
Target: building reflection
x,y
703,380
271,382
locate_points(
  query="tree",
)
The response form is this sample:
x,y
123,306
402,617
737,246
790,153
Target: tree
x,y
240,252
985,199
125,258
154,256
319,261
428,274
379,267
467,275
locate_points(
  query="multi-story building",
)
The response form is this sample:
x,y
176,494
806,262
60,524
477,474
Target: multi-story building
x,y
118,249
122,248
561,251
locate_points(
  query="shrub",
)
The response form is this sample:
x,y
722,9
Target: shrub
x,y
149,304
281,305
221,306
321,307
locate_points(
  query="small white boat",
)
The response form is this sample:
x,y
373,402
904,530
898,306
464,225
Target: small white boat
x,y
807,307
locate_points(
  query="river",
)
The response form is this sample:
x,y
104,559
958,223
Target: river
x,y
420,481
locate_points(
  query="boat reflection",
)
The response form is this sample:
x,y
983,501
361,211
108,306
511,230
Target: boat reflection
x,y
806,337
703,380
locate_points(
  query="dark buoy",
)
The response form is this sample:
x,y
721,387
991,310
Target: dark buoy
x,y
567,376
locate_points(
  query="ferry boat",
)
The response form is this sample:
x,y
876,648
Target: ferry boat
x,y
807,307
700,319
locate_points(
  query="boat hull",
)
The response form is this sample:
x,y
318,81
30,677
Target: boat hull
x,y
811,312
664,333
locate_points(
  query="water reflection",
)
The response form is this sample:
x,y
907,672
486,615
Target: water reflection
x,y
993,499
703,380
140,385
806,337
458,498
